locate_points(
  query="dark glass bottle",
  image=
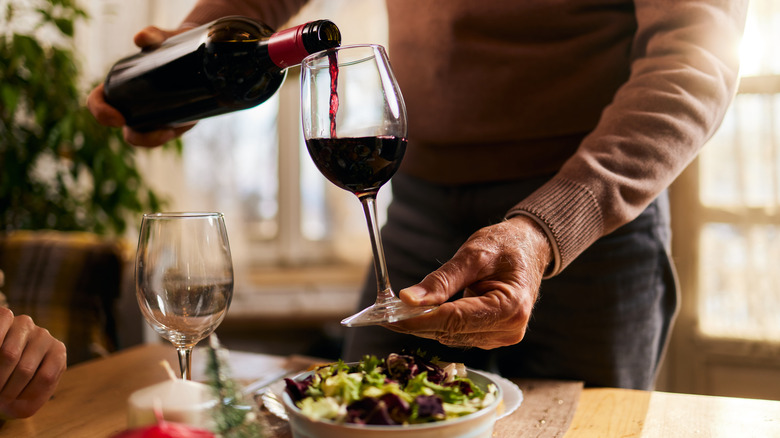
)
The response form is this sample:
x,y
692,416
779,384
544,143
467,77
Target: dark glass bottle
x,y
230,64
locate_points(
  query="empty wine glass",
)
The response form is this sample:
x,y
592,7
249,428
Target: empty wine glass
x,y
354,124
184,277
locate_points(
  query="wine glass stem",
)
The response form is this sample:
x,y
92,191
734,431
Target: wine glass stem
x,y
185,362
384,292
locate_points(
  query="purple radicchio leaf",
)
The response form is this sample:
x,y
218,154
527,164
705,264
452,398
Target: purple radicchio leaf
x,y
429,407
358,411
369,410
296,389
398,408
404,367
465,387
400,367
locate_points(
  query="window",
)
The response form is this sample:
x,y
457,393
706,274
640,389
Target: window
x,y
726,244
739,287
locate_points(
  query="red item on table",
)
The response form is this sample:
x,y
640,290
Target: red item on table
x,y
164,429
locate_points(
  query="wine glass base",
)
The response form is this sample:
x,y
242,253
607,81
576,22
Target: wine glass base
x,y
385,313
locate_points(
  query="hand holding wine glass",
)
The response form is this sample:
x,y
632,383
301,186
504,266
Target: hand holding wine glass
x,y
184,277
354,124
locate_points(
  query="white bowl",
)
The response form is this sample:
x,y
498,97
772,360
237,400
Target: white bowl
x,y
475,425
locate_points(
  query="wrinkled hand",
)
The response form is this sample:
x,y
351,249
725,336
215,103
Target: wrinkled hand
x,y
31,364
499,269
107,115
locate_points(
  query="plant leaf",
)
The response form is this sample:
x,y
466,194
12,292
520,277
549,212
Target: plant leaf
x,y
64,25
10,98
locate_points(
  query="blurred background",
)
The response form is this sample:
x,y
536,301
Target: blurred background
x,y
299,244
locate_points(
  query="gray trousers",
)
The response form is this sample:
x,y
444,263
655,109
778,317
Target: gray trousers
x,y
604,320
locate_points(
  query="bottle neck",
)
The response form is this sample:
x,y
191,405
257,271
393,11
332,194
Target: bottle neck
x,y
288,47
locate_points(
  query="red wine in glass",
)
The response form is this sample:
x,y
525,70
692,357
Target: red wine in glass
x,y
333,68
354,123
360,165
357,164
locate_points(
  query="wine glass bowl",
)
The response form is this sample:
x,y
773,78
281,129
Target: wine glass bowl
x,y
360,165
184,277
354,125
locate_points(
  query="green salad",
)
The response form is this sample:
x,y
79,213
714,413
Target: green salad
x,y
398,389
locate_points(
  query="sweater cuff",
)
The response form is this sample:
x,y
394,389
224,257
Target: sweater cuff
x,y
554,266
570,216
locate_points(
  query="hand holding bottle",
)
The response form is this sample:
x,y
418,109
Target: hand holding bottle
x,y
230,64
106,114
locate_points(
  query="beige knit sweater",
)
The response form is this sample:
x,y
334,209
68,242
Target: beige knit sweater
x,y
610,98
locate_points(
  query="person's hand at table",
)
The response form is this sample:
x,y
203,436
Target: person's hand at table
x,y
499,269
31,364
105,114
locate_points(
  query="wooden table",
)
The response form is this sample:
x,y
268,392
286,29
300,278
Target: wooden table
x,y
91,402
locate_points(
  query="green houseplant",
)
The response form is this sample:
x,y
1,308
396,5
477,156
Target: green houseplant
x,y
59,169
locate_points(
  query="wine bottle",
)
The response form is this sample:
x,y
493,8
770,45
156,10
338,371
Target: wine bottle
x,y
230,64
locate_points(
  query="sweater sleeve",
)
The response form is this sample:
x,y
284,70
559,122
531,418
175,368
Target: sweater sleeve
x,y
684,72
272,12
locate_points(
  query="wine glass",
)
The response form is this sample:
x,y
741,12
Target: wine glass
x,y
183,277
354,124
